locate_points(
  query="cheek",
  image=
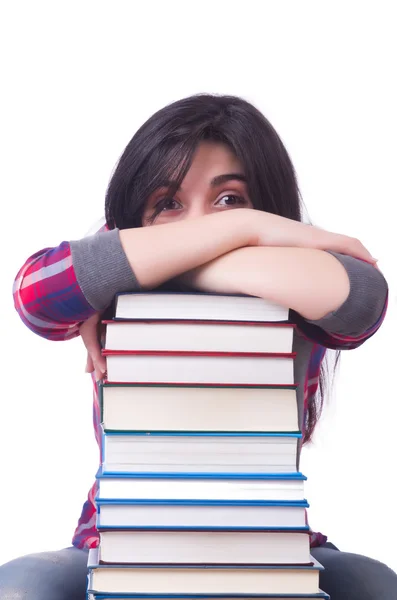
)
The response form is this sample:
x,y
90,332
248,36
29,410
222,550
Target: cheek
x,y
145,220
147,217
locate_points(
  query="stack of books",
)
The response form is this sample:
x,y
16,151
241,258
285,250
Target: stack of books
x,y
199,491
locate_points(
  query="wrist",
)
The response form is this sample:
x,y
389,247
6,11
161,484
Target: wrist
x,y
245,226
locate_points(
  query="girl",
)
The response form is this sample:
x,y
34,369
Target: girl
x,y
205,196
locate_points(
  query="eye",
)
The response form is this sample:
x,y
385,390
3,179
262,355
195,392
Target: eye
x,y
163,206
167,204
231,200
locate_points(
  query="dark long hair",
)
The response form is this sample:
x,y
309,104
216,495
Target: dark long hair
x,y
163,148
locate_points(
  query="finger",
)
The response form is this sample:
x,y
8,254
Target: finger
x,y
362,252
353,247
90,338
89,334
100,367
96,361
100,371
89,365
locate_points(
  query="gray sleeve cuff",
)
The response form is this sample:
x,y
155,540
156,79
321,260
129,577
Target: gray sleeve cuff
x,y
102,269
364,304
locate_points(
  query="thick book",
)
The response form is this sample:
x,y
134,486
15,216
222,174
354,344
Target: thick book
x,y
197,306
174,514
208,580
200,367
199,336
192,547
201,453
287,488
206,408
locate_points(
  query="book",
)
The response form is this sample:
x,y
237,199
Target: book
x,y
94,596
272,488
207,408
204,547
209,580
174,367
199,492
199,336
199,453
174,514
197,306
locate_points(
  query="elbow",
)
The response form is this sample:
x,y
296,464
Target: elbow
x,y
38,316
44,328
364,308
372,309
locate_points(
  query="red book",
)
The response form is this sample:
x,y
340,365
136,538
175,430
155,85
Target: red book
x,y
200,367
199,336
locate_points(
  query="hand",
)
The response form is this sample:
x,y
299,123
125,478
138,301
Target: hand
x,y
238,272
90,332
273,230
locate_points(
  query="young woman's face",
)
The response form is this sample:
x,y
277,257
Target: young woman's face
x,y
214,182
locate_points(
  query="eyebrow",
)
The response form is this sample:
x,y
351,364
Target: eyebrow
x,y
220,179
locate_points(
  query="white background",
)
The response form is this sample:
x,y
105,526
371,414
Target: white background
x,y
77,79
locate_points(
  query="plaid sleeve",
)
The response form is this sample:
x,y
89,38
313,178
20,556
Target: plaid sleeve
x,y
47,295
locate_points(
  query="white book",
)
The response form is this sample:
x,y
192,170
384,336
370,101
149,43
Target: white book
x,y
221,369
198,307
206,408
211,581
198,336
205,547
199,453
277,489
219,515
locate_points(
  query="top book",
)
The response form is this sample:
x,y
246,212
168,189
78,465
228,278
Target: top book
x,y
197,306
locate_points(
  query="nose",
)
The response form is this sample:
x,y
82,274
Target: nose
x,y
198,207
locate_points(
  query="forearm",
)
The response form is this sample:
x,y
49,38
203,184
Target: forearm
x,y
311,282
158,254
58,288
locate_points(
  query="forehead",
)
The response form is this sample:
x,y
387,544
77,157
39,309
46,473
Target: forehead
x,y
211,159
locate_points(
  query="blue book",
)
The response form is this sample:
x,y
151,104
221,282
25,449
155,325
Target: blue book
x,y
188,476
198,453
216,515
202,487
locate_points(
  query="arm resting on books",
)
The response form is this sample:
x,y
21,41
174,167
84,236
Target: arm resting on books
x,y
59,288
333,291
364,306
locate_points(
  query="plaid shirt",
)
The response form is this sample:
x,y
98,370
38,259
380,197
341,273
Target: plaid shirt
x,y
50,303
